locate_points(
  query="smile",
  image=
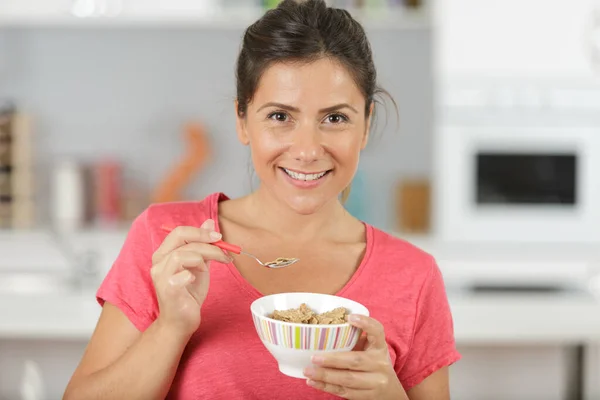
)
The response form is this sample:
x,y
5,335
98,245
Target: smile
x,y
299,176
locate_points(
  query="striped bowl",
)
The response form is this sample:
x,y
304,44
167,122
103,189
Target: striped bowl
x,y
292,344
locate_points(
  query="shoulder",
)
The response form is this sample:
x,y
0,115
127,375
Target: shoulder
x,y
148,229
190,213
386,244
399,257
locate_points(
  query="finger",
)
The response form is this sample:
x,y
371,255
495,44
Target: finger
x,y
373,330
208,251
175,263
197,287
348,360
343,377
209,224
181,279
341,391
182,235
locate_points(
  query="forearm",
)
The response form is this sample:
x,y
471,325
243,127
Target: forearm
x,y
397,392
145,371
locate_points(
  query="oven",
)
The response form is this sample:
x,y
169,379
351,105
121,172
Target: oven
x,y
518,173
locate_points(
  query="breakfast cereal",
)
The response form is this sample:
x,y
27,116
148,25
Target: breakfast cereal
x,y
304,315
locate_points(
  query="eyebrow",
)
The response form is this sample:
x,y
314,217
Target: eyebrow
x,y
295,109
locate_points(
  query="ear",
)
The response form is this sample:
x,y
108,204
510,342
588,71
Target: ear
x,y
368,127
240,126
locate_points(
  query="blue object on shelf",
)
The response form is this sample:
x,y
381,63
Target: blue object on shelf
x,y
357,201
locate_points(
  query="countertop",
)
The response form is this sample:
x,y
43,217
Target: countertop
x,y
569,316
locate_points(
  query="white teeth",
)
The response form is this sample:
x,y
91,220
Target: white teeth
x,y
304,177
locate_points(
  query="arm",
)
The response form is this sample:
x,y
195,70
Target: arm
x,y
122,363
435,386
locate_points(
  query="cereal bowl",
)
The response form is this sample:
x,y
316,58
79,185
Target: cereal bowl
x,y
293,344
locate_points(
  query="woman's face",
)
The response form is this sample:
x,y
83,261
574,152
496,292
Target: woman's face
x,y
305,126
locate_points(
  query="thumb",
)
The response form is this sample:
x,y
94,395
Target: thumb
x,y
373,330
209,224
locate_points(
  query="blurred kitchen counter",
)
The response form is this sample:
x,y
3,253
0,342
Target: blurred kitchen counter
x,y
568,316
57,316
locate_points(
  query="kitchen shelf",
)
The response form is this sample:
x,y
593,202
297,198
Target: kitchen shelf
x,y
236,19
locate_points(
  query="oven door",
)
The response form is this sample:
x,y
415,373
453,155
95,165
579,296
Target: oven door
x,y
518,184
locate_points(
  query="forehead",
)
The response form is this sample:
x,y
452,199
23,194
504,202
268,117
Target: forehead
x,y
320,83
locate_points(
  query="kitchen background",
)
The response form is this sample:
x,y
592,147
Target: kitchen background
x,y
493,166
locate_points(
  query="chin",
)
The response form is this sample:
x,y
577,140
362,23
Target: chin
x,y
306,204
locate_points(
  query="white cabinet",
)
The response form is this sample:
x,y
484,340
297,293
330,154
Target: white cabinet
x,y
534,38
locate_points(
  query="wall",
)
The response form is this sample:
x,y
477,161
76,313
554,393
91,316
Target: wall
x,y
127,93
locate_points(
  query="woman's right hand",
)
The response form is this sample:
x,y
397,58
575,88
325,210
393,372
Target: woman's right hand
x,y
180,273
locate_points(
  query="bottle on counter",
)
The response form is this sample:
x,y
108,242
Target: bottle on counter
x,y
108,192
23,174
6,126
67,188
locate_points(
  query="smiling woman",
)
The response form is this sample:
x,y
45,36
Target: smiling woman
x,y
306,84
305,130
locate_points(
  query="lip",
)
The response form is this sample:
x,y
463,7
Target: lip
x,y
305,172
303,184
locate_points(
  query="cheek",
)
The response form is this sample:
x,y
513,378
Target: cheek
x,y
264,149
347,152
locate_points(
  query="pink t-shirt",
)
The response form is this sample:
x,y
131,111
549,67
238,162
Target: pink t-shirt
x,y
400,285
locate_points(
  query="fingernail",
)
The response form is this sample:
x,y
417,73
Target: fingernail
x,y
308,372
310,382
317,360
215,235
354,318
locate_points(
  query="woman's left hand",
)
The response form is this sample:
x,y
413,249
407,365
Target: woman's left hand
x,y
358,375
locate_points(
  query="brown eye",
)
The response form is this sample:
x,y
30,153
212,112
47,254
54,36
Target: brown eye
x,y
336,118
278,116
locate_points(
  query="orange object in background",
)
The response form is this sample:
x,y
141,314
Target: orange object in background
x,y
198,154
413,206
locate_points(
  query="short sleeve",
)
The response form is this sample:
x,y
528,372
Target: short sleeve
x,y
128,284
433,346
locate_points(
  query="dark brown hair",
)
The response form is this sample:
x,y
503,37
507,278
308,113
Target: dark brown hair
x,y
305,31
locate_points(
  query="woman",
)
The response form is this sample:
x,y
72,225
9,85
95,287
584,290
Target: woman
x,y
305,97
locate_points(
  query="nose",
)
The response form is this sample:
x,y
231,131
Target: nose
x,y
306,146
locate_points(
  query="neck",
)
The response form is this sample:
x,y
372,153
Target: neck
x,y
277,218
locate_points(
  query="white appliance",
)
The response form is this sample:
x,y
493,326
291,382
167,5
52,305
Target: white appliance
x,y
518,161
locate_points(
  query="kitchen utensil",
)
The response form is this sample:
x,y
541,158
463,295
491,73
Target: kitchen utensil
x,y
198,153
278,263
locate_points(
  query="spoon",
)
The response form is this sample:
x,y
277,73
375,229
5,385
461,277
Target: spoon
x,y
277,263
